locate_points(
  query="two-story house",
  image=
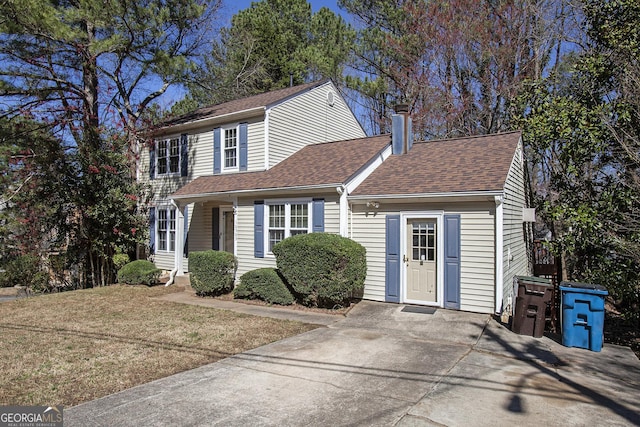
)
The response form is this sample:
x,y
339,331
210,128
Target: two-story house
x,y
442,221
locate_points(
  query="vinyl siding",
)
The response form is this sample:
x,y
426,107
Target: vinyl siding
x,y
244,233
477,267
514,236
308,119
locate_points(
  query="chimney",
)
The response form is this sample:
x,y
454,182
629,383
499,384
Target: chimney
x,y
401,131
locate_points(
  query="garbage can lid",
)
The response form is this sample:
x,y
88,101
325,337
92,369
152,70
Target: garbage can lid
x,y
534,279
583,287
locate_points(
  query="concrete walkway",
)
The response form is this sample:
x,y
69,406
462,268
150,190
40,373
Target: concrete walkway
x,y
381,365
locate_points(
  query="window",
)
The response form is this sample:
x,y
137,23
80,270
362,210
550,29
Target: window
x,y
166,231
424,241
231,148
287,219
168,156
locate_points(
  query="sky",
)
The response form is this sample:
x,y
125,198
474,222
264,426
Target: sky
x,y
232,6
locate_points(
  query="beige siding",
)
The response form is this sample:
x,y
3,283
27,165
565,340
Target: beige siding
x,y
514,247
255,145
309,119
477,281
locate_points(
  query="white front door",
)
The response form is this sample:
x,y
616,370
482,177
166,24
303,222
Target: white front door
x,y
420,261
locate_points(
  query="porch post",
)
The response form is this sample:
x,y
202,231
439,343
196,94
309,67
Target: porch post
x,y
179,246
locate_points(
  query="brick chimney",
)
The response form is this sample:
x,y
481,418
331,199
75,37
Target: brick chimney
x,y
401,131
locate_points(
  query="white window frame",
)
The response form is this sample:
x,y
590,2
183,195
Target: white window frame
x,y
287,215
167,156
223,148
172,220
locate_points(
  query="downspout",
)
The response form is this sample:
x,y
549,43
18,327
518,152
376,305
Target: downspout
x,y
177,259
344,211
499,253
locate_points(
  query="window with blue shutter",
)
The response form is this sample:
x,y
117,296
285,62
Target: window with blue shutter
x,y
152,231
452,261
392,261
217,155
243,137
184,154
152,162
258,229
318,215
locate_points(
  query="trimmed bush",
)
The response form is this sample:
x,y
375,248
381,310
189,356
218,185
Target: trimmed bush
x,y
212,272
140,272
323,269
264,284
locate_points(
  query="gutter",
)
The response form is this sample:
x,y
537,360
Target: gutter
x,y
194,197
469,194
224,118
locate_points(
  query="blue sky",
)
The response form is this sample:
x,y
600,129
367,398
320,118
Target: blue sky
x,y
231,7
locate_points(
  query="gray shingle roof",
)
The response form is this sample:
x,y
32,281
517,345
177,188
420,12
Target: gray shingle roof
x,y
469,164
255,101
327,164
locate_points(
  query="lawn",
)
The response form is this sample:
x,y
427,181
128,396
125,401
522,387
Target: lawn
x,y
71,347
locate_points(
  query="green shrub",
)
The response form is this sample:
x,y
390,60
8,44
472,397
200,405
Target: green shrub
x,y
140,272
264,284
212,272
323,269
120,260
25,270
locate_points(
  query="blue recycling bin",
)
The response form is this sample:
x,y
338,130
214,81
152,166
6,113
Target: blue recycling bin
x,y
582,315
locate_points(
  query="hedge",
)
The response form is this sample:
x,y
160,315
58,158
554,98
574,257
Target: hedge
x,y
140,272
323,269
264,284
212,272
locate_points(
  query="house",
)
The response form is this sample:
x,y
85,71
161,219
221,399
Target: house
x,y
442,221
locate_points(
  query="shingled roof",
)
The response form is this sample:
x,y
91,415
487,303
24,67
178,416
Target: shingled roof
x,y
248,103
472,164
325,164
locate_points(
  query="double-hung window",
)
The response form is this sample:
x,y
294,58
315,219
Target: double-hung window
x,y
230,148
168,156
166,231
287,219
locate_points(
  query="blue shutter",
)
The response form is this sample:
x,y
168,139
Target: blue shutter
x,y
258,229
452,261
318,215
243,147
215,226
152,161
184,155
217,153
393,261
152,231
185,241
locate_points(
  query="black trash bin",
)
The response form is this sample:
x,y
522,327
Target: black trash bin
x,y
533,295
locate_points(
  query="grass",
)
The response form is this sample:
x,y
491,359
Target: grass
x,y
72,347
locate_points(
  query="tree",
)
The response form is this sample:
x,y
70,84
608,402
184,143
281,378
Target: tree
x,y
458,63
77,64
581,129
88,71
268,45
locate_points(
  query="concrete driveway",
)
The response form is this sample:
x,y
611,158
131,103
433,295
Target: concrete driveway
x,y
383,365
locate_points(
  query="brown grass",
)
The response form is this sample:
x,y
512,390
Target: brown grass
x,y
68,348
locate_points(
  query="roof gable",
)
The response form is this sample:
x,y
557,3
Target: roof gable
x,y
446,166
